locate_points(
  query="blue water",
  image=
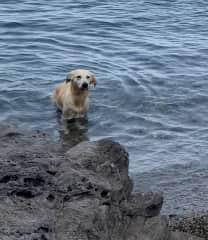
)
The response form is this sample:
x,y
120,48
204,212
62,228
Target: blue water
x,y
151,63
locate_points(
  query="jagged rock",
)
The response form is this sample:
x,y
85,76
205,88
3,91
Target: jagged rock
x,y
85,194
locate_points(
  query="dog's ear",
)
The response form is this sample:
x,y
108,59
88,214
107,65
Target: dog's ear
x,y
69,77
93,81
67,80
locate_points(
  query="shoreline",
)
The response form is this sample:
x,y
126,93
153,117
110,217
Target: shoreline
x,y
83,193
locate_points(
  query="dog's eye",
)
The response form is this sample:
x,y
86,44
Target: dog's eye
x,y
79,77
88,77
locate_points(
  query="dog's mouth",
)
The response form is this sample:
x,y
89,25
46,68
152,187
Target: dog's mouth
x,y
84,89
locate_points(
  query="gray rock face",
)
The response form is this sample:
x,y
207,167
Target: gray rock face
x,y
85,194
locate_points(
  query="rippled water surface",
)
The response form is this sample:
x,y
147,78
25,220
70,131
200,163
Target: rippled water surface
x,y
151,62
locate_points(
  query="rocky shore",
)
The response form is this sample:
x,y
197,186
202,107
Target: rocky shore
x,y
82,194
196,224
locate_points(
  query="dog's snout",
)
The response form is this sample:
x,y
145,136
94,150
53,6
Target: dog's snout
x,y
85,85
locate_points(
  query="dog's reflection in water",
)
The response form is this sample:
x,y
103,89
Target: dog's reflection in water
x,y
72,131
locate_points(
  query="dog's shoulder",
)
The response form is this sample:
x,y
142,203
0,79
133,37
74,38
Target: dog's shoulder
x,y
60,88
58,94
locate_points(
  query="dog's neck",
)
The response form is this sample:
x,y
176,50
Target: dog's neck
x,y
78,96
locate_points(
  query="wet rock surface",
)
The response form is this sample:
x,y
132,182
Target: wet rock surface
x,y
84,193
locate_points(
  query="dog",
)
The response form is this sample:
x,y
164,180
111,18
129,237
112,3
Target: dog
x,y
71,96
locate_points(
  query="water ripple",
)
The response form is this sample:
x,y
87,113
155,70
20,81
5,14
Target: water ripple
x,y
150,59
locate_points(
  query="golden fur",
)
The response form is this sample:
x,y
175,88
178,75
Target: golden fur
x,y
71,96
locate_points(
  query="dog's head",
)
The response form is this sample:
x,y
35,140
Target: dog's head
x,y
82,78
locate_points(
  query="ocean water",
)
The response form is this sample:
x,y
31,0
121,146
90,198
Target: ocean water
x,y
151,63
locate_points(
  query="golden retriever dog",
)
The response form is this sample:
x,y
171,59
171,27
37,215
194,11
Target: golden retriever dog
x,y
71,96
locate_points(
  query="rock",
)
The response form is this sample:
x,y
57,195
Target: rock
x,y
180,235
196,224
143,204
103,167
85,194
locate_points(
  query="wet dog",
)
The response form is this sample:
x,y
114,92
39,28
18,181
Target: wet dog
x,y
71,96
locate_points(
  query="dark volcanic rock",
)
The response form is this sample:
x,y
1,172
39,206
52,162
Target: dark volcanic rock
x,y
84,194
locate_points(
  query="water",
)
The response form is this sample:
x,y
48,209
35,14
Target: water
x,y
151,63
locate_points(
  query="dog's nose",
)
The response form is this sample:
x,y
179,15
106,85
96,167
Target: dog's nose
x,y
84,85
